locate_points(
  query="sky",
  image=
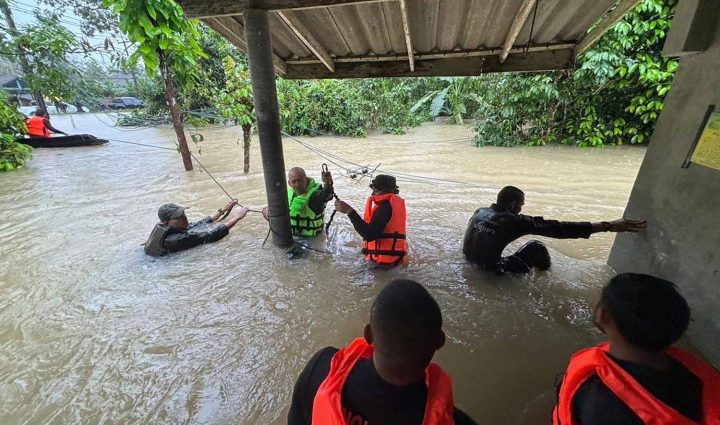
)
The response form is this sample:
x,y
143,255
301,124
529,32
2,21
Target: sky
x,y
23,14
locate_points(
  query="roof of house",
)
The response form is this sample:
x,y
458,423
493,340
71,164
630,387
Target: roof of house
x,y
371,38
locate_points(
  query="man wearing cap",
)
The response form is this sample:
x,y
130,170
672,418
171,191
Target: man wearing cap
x,y
174,233
383,226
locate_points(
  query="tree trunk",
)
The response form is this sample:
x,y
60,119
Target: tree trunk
x,y
246,147
22,59
174,113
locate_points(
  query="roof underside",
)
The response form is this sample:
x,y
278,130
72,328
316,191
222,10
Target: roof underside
x,y
350,38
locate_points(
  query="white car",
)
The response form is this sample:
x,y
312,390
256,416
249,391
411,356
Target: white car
x,y
52,109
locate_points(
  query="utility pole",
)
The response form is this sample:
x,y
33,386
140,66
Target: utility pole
x,y
262,74
21,56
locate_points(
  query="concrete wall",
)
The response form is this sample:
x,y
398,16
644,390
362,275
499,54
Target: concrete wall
x,y
681,205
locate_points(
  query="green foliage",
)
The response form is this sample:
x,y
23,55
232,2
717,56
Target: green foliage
x,y
614,97
163,35
516,109
454,99
233,100
45,44
327,106
13,155
386,103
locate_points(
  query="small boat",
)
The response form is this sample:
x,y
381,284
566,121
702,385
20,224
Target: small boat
x,y
71,141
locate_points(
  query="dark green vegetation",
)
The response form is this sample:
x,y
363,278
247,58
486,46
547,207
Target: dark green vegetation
x,y
13,155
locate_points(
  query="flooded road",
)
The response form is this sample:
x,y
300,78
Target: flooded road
x,y
94,331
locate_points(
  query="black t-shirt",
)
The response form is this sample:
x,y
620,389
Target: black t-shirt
x,y
366,398
490,230
595,404
202,232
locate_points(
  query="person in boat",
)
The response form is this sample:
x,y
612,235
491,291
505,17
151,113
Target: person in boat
x,y
383,226
307,200
38,125
173,233
491,229
637,377
385,376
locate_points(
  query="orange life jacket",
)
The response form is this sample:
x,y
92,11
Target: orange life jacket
x,y
36,127
651,411
390,247
327,406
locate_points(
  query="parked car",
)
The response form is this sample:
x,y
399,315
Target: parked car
x,y
125,103
52,109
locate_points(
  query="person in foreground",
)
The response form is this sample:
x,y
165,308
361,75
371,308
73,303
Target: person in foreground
x,y
637,376
385,377
383,227
39,125
307,199
491,229
173,233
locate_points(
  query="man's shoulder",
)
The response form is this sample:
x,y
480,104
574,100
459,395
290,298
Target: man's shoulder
x,y
595,403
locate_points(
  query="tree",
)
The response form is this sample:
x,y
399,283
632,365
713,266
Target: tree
x,y
234,101
615,96
13,155
167,42
453,98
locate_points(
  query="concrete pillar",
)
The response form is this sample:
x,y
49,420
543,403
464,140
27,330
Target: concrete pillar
x,y
681,204
262,73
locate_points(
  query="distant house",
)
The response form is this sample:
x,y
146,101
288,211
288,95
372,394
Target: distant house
x,y
17,89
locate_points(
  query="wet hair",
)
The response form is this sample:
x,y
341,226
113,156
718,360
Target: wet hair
x,y
649,312
406,316
40,112
508,195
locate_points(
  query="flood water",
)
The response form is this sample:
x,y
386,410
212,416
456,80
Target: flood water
x,y
94,331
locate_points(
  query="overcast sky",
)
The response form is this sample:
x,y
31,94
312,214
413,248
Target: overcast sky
x,y
23,12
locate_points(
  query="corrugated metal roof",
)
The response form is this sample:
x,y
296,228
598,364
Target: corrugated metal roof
x,y
366,32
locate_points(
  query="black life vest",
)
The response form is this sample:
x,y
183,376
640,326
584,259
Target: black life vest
x,y
154,245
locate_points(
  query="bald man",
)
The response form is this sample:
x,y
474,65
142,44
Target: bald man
x,y
307,199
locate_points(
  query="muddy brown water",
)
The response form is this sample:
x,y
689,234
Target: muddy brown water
x,y
93,331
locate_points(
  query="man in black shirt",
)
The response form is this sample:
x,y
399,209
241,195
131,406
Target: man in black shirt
x,y
174,233
383,227
491,229
637,377
386,377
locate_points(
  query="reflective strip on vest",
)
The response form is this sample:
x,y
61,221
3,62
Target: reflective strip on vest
x,y
390,247
303,220
651,411
327,405
154,245
36,127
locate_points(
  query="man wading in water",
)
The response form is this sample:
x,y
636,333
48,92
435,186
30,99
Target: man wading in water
x,y
491,229
307,199
174,233
383,227
384,377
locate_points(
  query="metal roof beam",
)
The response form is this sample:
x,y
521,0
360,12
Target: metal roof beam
x,y
406,29
605,23
302,32
232,30
447,67
516,27
210,9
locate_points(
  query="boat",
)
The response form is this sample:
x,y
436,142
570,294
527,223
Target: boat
x,y
71,141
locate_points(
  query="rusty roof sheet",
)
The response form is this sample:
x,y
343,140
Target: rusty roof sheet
x,y
361,37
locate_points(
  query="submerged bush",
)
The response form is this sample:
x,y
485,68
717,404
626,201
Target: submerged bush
x,y
13,155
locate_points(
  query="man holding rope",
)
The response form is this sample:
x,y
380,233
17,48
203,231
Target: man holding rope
x,y
173,233
307,199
